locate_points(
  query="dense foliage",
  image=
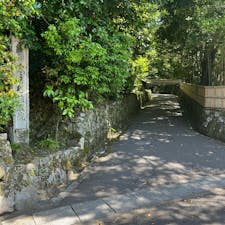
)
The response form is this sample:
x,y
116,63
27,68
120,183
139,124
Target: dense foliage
x,y
88,49
83,52
13,21
193,31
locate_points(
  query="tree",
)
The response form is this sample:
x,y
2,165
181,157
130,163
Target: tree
x,y
194,30
87,48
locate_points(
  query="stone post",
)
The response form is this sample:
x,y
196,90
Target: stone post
x,y
20,129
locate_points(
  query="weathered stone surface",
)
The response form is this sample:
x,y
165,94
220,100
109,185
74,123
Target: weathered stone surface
x,y
5,148
210,122
57,216
6,203
87,128
23,185
20,129
21,220
3,136
6,160
88,211
2,173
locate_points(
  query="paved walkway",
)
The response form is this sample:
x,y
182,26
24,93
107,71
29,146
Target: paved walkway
x,y
158,159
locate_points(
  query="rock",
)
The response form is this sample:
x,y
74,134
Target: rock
x,y
2,173
82,142
26,198
3,137
6,204
72,176
5,148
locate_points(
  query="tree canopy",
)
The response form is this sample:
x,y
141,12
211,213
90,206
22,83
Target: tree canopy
x,y
83,52
194,31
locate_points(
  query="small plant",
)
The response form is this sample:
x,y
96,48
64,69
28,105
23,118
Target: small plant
x,y
49,144
17,148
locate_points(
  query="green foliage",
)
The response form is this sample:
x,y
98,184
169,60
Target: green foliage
x,y
13,21
85,52
141,69
17,148
8,97
193,32
49,144
85,60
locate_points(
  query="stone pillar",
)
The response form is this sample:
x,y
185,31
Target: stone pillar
x,y
20,129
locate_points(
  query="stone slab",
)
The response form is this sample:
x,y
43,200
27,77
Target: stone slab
x,y
6,203
3,136
123,203
21,220
92,210
156,196
21,114
58,216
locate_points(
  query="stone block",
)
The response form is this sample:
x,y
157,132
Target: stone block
x,y
6,203
122,203
89,211
21,220
58,216
26,197
2,173
3,136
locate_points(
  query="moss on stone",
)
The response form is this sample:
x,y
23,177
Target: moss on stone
x,y
67,165
1,189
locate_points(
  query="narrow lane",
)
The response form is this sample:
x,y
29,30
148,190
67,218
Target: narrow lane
x,y
158,148
158,163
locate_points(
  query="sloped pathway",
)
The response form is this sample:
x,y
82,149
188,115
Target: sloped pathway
x,y
159,151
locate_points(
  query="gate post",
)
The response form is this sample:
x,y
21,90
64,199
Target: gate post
x,y
20,129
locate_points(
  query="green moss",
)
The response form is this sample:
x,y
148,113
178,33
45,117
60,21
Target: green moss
x,y
1,189
80,162
67,165
7,160
53,164
31,174
25,183
49,144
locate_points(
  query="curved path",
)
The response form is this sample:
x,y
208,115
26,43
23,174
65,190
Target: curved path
x,y
159,158
158,148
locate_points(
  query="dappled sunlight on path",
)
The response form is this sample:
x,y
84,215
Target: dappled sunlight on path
x,y
159,167
159,148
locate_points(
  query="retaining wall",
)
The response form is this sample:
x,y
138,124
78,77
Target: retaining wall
x,y
23,185
205,108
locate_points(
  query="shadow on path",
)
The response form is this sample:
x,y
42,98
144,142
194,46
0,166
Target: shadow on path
x,y
205,210
158,160
159,148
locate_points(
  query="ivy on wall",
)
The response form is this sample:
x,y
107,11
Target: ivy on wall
x,y
14,15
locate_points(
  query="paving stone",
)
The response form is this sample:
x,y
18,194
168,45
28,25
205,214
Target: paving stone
x,y
123,203
92,210
21,220
59,216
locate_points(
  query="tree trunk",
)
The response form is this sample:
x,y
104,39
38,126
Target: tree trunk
x,y
207,65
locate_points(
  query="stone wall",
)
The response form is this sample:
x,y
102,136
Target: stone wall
x,y
24,184
209,121
91,126
6,163
207,96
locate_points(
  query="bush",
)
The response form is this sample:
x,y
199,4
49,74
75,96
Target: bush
x,y
83,71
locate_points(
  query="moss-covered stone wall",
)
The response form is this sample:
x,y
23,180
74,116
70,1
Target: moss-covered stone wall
x,y
24,184
210,122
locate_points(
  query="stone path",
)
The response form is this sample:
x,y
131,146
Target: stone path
x,y
158,159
